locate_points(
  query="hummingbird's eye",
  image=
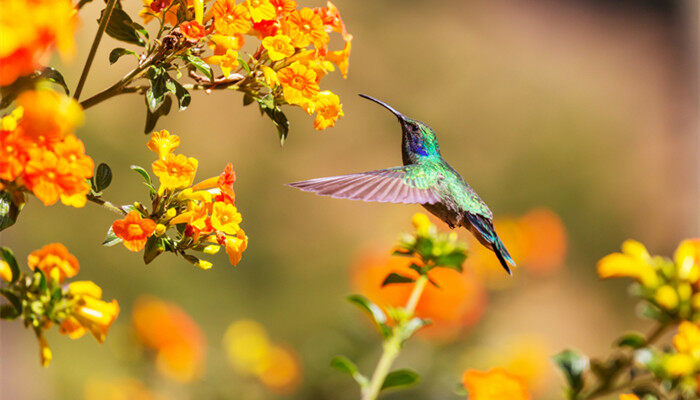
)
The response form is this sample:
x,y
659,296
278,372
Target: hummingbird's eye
x,y
414,128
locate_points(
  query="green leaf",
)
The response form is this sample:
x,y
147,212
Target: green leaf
x,y
8,311
54,76
144,174
344,365
103,177
396,278
247,99
117,53
13,299
633,340
154,248
9,211
280,121
373,310
9,258
400,378
200,66
155,95
183,96
153,117
111,239
453,260
121,27
573,365
244,64
413,326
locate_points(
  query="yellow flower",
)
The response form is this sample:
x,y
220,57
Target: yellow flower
x,y
261,10
667,297
225,218
633,262
163,143
227,61
175,171
304,27
495,384
270,76
679,364
231,19
421,222
328,110
235,246
628,397
687,258
687,340
278,47
341,58
298,83
118,389
247,346
220,43
5,271
92,313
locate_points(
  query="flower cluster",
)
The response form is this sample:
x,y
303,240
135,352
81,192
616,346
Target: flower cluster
x,y
202,217
178,342
41,298
250,352
40,153
30,29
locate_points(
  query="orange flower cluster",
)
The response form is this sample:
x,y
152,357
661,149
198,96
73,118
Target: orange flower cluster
x,y
30,28
459,301
39,152
250,352
177,340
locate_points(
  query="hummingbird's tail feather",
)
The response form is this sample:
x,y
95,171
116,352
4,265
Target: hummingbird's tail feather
x,y
484,231
385,185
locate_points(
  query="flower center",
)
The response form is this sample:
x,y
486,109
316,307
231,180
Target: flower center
x,y
306,27
298,82
135,230
51,175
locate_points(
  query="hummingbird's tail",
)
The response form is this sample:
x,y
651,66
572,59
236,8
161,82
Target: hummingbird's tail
x,y
484,231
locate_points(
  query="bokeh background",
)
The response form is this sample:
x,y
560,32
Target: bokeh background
x,y
583,108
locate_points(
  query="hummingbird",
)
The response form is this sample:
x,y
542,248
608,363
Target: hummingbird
x,y
425,179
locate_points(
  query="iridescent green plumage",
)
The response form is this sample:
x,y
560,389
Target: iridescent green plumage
x,y
426,179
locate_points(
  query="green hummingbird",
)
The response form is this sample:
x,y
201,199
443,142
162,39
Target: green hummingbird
x,y
425,179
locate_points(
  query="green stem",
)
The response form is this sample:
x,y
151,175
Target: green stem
x,y
93,49
392,346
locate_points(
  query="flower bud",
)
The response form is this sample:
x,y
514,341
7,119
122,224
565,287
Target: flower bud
x,y
205,265
667,297
5,271
211,249
160,229
170,213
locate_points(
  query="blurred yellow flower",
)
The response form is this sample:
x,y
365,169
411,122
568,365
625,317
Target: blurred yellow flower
x,y
633,262
45,353
278,47
679,364
5,271
667,297
163,143
175,171
48,116
54,260
90,313
118,389
687,340
494,384
280,371
687,258
628,397
422,223
527,358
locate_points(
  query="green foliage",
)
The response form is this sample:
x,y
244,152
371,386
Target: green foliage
x,y
9,210
344,365
102,178
573,365
374,311
123,28
633,340
118,52
154,247
400,378
396,278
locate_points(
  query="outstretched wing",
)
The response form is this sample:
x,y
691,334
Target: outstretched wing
x,y
406,184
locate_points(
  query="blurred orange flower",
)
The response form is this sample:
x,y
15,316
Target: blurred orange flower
x,y
459,301
118,389
5,271
527,358
628,397
494,384
54,260
48,115
90,312
134,230
176,338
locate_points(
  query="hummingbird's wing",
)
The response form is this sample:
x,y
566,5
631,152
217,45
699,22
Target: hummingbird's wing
x,y
405,184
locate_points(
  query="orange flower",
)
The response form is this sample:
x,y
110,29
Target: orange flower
x,y
13,154
220,44
628,396
280,370
341,58
261,10
304,27
176,338
90,312
495,384
163,143
458,302
225,218
54,260
235,246
72,150
298,83
328,110
332,20
284,6
193,30
48,115
134,230
175,171
48,176
543,241
231,19
228,62
155,8
278,47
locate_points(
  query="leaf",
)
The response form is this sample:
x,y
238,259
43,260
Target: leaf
x,y
373,310
183,96
396,278
200,66
400,378
117,53
244,64
103,177
154,248
344,365
144,174
121,27
247,99
9,211
9,258
155,95
453,260
8,311
633,340
413,326
152,117
111,239
573,365
52,75
13,299
280,121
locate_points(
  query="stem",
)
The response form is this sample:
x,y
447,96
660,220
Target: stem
x,y
106,204
93,49
118,88
392,346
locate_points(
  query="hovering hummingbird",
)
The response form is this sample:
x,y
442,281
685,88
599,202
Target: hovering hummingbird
x,y
425,179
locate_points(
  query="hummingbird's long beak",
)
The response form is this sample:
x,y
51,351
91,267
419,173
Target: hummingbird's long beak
x,y
388,107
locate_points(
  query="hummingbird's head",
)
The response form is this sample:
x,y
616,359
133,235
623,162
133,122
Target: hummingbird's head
x,y
418,137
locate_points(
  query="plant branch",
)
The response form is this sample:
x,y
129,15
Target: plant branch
x,y
392,346
106,204
93,49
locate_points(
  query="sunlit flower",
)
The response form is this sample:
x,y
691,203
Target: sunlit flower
x,y
266,28
687,340
667,297
193,30
459,301
134,230
90,311
330,15
495,384
261,10
163,143
72,150
225,218
633,262
231,18
298,83
328,110
49,176
304,27
176,338
155,8
235,246
284,6
687,258
270,76
228,61
13,154
278,47
175,171
219,44
48,115
54,260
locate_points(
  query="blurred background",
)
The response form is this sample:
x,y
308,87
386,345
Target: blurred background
x,y
576,121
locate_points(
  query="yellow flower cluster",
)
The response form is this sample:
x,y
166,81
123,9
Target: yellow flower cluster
x,y
670,284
